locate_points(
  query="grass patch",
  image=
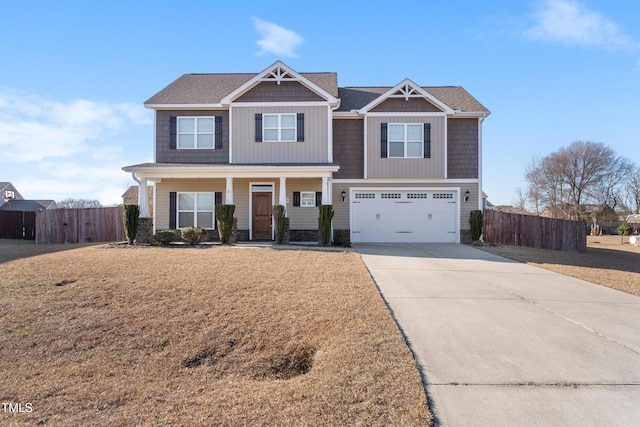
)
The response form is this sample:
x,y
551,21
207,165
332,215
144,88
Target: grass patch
x,y
220,336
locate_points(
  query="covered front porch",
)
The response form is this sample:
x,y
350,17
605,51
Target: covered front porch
x,y
185,195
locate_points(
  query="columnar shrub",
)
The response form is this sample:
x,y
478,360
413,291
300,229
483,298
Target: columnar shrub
x,y
224,219
475,219
193,235
278,216
131,214
324,224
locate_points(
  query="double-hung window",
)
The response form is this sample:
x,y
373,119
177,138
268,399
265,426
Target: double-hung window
x,y
196,132
307,199
406,140
279,127
196,210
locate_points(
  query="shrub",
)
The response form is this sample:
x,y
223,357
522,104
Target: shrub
x,y
475,219
131,214
625,229
324,224
164,237
278,216
224,218
193,236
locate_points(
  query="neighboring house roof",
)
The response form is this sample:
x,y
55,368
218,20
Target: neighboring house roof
x,y
8,186
29,205
211,88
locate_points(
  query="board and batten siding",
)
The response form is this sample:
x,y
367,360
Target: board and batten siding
x,y
378,167
314,148
341,209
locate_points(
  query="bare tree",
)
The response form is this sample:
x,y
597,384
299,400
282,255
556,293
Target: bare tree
x,y
632,184
583,172
79,203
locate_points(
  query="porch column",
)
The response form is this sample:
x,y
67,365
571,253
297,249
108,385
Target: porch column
x,y
228,200
325,191
143,199
282,199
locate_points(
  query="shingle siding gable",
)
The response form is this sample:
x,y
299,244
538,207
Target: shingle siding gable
x,y
462,148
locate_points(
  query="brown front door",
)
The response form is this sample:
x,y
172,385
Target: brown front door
x,y
261,220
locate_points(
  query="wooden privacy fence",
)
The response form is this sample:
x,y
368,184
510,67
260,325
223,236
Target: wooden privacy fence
x,y
534,231
80,225
17,225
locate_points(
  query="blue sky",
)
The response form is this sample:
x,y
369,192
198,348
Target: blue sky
x,y
74,75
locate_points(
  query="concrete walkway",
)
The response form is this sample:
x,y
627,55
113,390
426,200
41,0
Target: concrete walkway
x,y
501,343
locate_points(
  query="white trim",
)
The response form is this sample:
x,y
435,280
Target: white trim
x,y
196,133
366,148
446,147
155,210
313,194
279,128
405,142
392,114
480,120
353,114
273,191
415,92
230,132
280,67
400,181
155,140
279,104
195,209
228,199
330,136
429,189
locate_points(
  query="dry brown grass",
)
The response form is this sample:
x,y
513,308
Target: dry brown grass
x,y
606,262
96,335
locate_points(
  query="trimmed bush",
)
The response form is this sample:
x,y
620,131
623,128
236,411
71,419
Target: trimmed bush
x,y
324,224
224,219
193,235
131,214
278,217
475,220
164,237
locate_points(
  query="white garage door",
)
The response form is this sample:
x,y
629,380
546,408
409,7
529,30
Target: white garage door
x,y
403,216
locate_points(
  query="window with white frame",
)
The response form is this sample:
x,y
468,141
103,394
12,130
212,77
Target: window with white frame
x,y
406,140
196,210
279,127
196,132
308,199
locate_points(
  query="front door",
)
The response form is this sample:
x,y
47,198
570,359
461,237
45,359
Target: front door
x,y
261,221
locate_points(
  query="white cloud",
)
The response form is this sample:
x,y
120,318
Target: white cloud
x,y
34,128
276,39
570,22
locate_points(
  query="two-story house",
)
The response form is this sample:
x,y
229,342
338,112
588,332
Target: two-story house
x,y
398,164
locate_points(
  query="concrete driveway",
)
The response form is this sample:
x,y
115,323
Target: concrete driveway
x,y
501,343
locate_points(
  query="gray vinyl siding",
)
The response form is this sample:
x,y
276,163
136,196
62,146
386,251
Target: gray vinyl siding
x,y
341,209
302,218
348,148
462,148
314,148
378,167
164,154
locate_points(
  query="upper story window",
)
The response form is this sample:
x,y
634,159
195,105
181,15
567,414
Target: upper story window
x,y
406,140
279,127
196,132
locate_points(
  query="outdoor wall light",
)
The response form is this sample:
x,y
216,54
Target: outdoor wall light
x,y
466,196
344,195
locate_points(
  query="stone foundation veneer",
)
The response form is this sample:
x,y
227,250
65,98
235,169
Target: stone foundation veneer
x,y
145,230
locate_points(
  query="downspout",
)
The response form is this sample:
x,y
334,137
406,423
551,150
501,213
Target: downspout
x,y
143,202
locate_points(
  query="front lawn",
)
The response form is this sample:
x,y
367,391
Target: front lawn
x,y
100,335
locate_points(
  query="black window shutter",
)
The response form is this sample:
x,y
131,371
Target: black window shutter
x,y
173,210
296,198
300,127
383,140
218,198
318,198
258,127
218,133
427,140
173,132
